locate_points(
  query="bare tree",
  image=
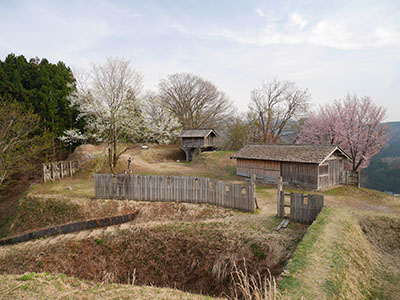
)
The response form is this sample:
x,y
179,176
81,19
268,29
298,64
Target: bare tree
x,y
275,105
108,100
197,103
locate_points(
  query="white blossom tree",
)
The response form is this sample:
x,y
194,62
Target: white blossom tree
x,y
73,137
161,125
109,102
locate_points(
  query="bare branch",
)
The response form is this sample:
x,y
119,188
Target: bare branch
x,y
195,102
274,105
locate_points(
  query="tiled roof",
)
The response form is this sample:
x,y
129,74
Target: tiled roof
x,y
196,132
289,153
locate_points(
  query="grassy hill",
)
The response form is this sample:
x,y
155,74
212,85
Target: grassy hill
x,y
383,172
350,252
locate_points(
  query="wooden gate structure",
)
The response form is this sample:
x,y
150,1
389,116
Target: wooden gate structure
x,y
59,170
303,208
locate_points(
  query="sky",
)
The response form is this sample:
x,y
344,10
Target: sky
x,y
330,47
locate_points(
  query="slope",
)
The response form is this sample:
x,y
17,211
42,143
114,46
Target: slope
x,y
383,172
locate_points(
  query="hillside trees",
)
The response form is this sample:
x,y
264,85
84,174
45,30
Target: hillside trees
x,y
353,123
20,140
274,106
194,101
109,103
43,87
238,132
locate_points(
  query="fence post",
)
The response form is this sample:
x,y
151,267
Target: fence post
x,y
253,191
44,172
358,179
52,171
281,212
61,169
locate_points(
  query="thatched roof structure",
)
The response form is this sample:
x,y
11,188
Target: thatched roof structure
x,y
290,153
193,133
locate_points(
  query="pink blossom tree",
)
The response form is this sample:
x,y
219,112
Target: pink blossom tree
x,y
353,123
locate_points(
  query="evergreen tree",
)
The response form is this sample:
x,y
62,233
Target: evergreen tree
x,y
43,87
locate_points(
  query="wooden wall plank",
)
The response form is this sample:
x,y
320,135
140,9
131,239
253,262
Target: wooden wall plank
x,y
173,188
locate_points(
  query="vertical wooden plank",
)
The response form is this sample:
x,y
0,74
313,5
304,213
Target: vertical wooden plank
x,y
230,197
221,193
173,191
306,211
235,196
217,192
158,178
147,182
140,187
61,170
316,204
292,206
279,204
202,190
44,172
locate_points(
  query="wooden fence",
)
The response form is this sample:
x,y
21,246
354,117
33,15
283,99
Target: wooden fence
x,y
59,170
350,178
301,211
176,189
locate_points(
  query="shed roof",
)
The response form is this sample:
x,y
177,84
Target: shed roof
x,y
197,132
289,153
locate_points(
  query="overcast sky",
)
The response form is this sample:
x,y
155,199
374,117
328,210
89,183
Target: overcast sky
x,y
329,47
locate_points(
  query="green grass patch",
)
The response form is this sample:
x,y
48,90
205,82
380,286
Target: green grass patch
x,y
265,192
300,259
99,241
257,251
32,212
25,277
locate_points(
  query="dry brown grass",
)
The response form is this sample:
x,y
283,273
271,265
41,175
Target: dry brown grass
x,y
32,286
254,287
383,232
196,247
192,256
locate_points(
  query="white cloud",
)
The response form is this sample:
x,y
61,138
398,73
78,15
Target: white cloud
x,y
260,12
333,33
298,21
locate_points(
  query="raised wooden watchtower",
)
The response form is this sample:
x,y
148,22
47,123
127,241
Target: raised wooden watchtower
x,y
197,139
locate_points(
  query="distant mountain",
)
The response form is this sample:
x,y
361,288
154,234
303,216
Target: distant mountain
x,y
383,172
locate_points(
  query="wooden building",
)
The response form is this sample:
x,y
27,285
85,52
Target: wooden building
x,y
312,166
197,140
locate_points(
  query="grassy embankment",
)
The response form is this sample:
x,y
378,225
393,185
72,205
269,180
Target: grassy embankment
x,y
192,247
350,252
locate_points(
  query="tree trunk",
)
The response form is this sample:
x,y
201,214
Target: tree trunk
x,y
110,161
